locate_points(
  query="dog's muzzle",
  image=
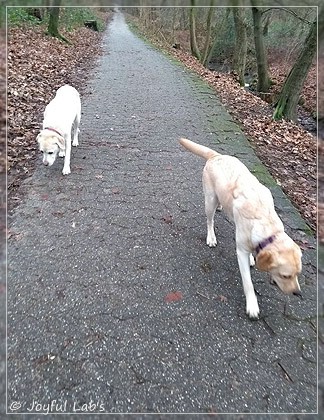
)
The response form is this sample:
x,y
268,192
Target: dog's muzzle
x,y
298,293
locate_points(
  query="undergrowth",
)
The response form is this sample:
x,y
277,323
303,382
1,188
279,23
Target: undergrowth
x,y
70,17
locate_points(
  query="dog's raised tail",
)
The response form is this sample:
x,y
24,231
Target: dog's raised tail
x,y
198,149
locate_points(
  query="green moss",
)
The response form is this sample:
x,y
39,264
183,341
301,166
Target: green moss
x,y
263,175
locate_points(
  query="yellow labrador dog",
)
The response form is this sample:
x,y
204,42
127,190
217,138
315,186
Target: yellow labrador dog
x,y
228,184
61,115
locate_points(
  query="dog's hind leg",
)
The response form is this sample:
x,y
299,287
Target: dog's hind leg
x,y
76,125
211,203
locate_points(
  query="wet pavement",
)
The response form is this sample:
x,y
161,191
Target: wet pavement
x,y
115,303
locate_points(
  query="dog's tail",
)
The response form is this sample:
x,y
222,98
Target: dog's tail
x,y
198,149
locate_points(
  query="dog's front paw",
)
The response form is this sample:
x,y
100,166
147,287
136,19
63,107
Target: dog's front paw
x,y
252,307
61,153
252,261
75,143
211,240
66,171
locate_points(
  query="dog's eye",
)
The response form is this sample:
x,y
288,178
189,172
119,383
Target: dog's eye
x,y
50,153
286,277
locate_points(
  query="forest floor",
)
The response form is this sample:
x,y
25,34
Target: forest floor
x,y
286,148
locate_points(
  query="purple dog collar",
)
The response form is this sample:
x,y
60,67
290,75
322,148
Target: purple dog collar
x,y
264,243
53,129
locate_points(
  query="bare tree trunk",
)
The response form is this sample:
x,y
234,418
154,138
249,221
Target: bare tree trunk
x,y
240,43
54,13
266,25
286,106
320,71
321,26
193,40
208,34
145,14
264,81
37,12
219,28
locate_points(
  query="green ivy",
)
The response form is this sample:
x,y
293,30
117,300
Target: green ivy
x,y
70,17
17,16
74,17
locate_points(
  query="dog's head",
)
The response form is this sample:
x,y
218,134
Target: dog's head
x,y
283,262
50,144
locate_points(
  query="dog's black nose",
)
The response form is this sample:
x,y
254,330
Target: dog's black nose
x,y
298,293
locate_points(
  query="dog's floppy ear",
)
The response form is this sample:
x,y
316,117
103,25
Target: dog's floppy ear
x,y
265,260
60,141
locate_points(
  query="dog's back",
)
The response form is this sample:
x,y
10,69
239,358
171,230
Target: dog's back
x,y
238,191
227,171
63,108
67,92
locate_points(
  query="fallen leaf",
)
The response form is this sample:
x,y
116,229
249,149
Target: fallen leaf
x,y
173,297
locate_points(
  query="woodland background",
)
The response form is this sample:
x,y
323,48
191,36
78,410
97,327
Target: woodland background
x,y
38,64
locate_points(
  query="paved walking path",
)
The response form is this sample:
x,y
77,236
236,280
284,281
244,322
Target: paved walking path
x,y
115,303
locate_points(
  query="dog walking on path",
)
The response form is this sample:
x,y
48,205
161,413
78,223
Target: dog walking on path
x,y
228,184
61,116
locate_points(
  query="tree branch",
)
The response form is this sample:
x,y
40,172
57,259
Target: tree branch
x,y
288,11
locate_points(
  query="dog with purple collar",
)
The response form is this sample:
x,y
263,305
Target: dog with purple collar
x,y
259,232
